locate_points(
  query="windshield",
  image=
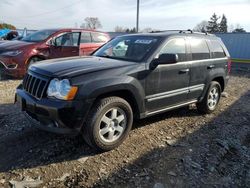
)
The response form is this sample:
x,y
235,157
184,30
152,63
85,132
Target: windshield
x,y
38,36
129,48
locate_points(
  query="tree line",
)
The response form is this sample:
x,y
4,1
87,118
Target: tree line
x,y
7,26
218,24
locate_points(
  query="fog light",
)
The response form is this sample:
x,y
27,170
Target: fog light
x,y
12,66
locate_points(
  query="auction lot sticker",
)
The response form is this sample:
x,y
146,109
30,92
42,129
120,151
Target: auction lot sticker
x,y
143,41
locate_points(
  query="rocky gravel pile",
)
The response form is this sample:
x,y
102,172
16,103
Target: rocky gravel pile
x,y
181,148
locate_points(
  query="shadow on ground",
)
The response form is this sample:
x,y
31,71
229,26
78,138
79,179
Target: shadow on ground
x,y
216,155
23,146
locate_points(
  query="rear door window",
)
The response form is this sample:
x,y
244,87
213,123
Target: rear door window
x,y
199,49
175,46
216,49
85,37
99,38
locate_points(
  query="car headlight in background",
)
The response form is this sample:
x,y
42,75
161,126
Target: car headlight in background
x,y
61,89
11,53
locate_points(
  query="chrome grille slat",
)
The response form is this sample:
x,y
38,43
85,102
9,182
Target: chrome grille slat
x,y
35,86
40,81
31,84
25,80
28,81
44,89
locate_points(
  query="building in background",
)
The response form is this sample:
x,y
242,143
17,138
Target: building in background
x,y
238,45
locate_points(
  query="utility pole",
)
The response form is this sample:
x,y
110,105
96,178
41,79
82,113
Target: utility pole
x,y
137,16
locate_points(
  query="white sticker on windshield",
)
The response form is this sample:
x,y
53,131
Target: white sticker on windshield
x,y
143,41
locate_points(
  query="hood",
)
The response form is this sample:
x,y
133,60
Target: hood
x,y
2,41
70,67
13,45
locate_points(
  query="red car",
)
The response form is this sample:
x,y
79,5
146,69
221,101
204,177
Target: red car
x,y
16,56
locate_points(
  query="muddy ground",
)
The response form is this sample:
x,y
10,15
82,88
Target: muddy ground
x,y
181,148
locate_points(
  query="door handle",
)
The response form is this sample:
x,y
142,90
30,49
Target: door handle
x,y
183,71
210,66
74,51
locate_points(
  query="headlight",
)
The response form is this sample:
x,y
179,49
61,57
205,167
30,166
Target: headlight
x,y
61,89
11,53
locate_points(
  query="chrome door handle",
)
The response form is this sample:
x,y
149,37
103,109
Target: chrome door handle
x,y
210,66
184,71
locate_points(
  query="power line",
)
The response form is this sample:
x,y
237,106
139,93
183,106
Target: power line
x,y
51,12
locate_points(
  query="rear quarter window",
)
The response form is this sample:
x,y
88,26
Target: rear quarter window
x,y
99,38
216,49
199,49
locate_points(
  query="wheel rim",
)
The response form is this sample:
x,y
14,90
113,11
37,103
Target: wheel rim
x,y
213,98
112,125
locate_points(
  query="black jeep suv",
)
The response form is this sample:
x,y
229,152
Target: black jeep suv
x,y
132,76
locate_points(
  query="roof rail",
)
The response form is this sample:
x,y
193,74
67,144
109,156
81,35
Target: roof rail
x,y
183,31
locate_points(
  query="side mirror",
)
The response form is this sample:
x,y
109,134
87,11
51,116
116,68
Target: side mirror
x,y
51,42
164,59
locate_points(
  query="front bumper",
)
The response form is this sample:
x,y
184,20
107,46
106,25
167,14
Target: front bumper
x,y
63,117
10,66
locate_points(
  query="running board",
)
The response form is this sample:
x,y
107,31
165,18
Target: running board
x,y
170,108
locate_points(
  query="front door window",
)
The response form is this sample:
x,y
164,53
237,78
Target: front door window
x,y
68,39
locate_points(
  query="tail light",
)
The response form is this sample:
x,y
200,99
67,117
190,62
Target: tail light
x,y
229,64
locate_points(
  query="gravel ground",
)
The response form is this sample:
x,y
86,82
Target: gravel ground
x,y
181,148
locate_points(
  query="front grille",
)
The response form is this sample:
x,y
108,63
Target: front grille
x,y
35,86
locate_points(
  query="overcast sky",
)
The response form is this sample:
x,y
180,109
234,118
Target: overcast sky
x,y
157,14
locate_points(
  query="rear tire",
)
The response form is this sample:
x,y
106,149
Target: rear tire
x,y
108,123
211,99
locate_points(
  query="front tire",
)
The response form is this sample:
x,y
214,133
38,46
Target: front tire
x,y
211,99
108,123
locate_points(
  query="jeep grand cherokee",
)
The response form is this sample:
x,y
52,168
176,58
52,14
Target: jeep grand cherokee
x,y
133,76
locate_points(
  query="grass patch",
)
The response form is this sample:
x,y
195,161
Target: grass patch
x,y
241,60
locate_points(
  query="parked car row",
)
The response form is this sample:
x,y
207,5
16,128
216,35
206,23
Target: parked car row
x,y
16,56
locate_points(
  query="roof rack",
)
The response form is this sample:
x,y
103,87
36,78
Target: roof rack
x,y
183,31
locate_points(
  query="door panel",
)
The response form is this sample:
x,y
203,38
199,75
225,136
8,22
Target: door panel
x,y
86,45
167,85
88,48
198,76
65,45
199,66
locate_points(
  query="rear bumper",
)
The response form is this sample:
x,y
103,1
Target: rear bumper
x,y
62,117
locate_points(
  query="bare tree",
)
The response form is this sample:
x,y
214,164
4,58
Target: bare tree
x,y
231,28
147,30
201,27
91,23
239,29
120,29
